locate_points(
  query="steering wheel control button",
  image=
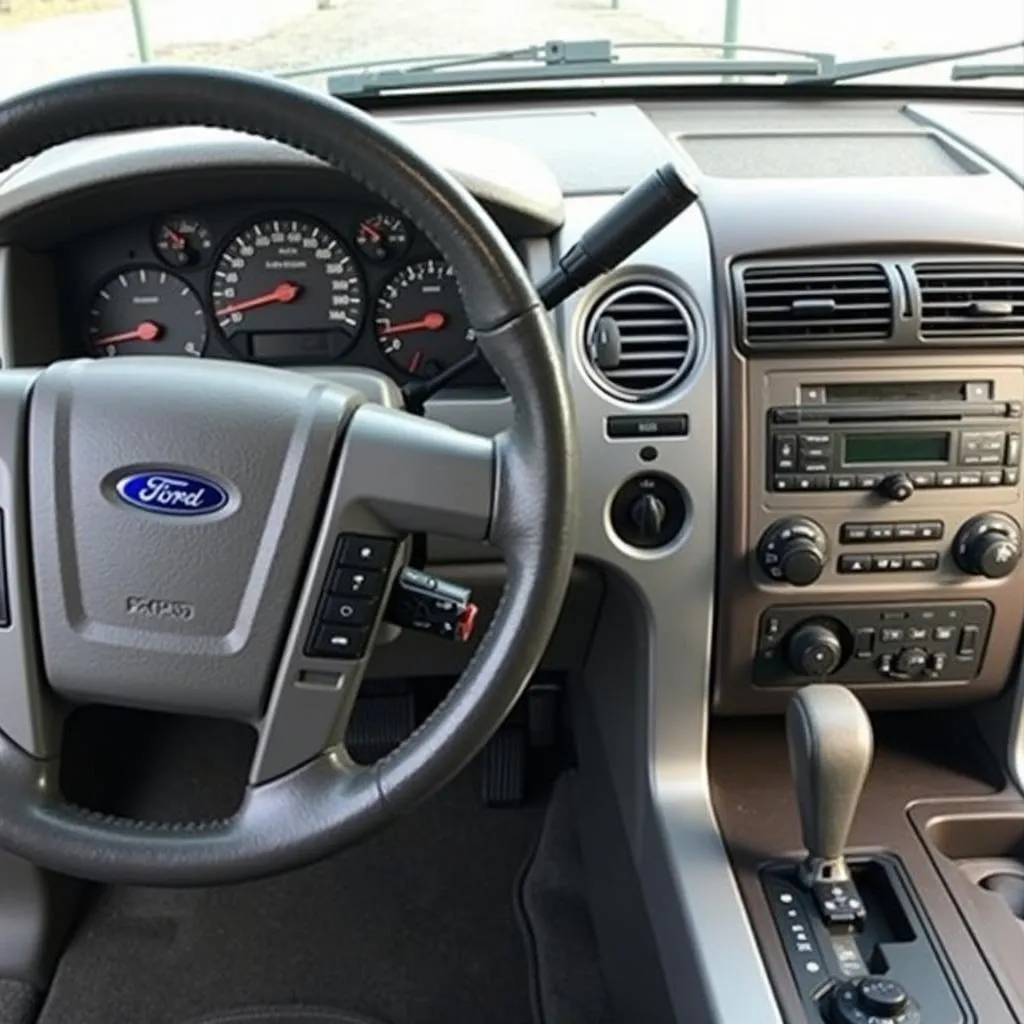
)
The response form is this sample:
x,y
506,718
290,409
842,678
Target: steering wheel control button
x,y
357,583
648,511
351,596
429,604
339,642
365,552
348,611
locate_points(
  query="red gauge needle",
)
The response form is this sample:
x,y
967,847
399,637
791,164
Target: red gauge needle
x,y
285,292
177,240
432,321
146,331
371,232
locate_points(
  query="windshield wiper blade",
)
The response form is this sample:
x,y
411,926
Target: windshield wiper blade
x,y
563,60
846,71
976,72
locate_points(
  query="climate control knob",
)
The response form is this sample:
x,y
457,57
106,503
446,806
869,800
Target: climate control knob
x,y
874,998
988,545
814,650
793,551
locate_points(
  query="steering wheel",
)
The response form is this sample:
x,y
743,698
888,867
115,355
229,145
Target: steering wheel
x,y
170,526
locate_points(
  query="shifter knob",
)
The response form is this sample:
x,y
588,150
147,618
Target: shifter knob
x,y
830,749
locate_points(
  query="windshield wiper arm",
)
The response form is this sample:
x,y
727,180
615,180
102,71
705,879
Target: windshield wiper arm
x,y
846,71
559,59
976,72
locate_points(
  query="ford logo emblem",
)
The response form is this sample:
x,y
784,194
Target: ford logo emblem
x,y
172,494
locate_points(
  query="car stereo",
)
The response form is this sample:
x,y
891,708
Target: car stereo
x,y
886,434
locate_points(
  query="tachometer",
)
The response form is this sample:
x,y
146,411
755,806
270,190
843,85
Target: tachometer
x,y
421,323
288,288
146,311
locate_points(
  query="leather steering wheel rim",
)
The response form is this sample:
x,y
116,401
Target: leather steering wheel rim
x,y
323,804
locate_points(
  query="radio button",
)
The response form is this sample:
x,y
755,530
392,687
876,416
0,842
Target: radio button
x,y
906,531
804,483
922,479
853,533
992,477
815,441
1011,477
969,479
785,452
931,530
892,635
868,481
813,465
881,531
843,483
854,563
927,562
946,479
1014,410
990,459
1012,450
994,442
943,634
917,633
886,563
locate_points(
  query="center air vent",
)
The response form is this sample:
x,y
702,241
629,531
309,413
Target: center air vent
x,y
972,300
816,303
641,340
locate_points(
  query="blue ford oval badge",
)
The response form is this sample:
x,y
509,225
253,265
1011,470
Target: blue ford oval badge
x,y
172,493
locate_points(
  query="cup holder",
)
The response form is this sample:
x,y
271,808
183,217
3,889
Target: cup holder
x,y
989,850
1009,887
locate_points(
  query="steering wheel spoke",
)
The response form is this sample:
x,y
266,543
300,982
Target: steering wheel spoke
x,y
28,715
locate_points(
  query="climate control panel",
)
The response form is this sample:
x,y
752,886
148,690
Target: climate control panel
x,y
796,550
932,642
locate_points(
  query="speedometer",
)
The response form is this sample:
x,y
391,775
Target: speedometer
x,y
287,288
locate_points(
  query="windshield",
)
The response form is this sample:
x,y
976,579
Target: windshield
x,y
41,40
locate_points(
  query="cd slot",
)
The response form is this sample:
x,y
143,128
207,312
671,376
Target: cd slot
x,y
879,412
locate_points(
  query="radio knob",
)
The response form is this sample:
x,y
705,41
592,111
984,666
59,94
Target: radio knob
x,y
793,551
896,487
814,650
988,545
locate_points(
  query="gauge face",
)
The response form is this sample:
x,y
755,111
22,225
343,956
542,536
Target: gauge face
x,y
382,236
183,241
287,277
421,324
146,311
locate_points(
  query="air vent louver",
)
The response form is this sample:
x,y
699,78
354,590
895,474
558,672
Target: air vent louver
x,y
972,300
796,304
641,340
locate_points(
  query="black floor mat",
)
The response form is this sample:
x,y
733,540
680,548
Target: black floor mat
x,y
566,982
416,926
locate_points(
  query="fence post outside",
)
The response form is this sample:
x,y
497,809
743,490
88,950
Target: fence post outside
x,y
141,32
731,29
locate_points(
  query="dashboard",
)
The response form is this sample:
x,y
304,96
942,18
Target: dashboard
x,y
816,406
282,282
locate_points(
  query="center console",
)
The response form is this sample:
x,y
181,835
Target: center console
x,y
876,528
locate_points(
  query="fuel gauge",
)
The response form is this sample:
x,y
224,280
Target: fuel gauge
x,y
182,241
382,236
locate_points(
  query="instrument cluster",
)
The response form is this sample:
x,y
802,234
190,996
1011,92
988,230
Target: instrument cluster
x,y
316,284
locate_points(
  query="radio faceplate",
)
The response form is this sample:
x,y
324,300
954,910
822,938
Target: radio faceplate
x,y
830,444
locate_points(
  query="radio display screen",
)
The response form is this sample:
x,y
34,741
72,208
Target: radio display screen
x,y
888,449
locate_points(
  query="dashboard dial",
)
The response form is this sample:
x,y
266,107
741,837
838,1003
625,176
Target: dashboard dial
x,y
382,236
146,311
288,277
420,320
182,241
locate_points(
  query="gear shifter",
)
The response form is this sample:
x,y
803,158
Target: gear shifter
x,y
830,748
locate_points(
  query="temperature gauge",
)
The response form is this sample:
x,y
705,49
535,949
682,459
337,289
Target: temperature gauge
x,y
382,236
182,241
